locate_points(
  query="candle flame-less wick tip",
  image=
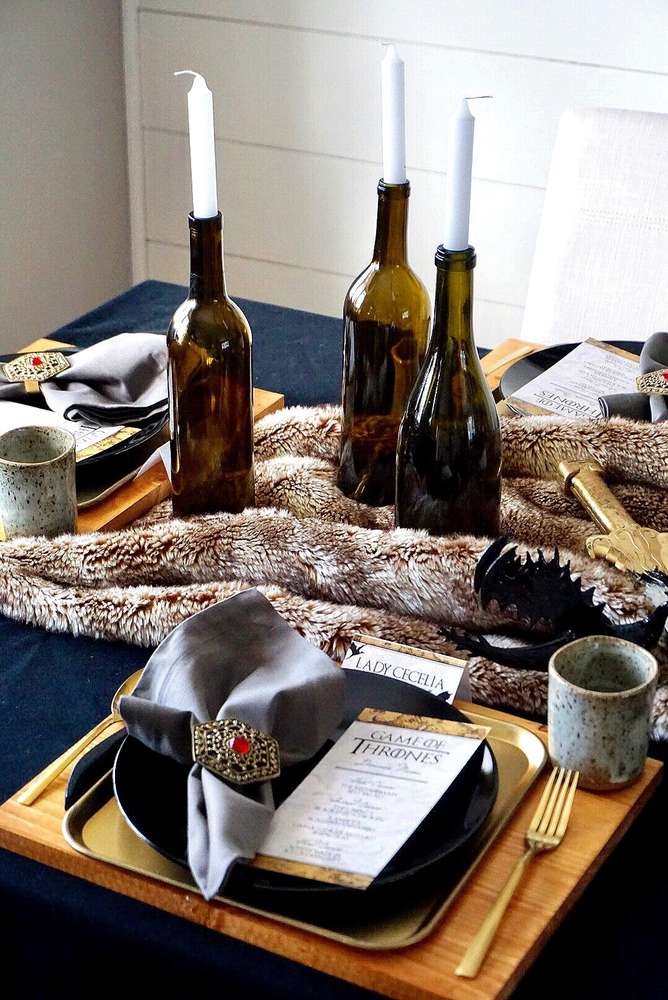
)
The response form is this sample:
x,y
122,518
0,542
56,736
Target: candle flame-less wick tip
x,y
198,78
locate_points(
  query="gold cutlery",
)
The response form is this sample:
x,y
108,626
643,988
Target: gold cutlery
x,y
627,545
35,788
546,831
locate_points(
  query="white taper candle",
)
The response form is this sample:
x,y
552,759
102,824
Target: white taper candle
x,y
202,147
458,179
394,127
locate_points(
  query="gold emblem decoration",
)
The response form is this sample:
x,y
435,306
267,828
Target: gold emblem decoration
x,y
653,383
235,751
34,367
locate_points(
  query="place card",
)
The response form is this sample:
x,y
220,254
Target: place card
x,y
572,386
445,676
345,822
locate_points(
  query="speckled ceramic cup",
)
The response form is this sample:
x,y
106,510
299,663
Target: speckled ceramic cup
x,y
38,493
600,697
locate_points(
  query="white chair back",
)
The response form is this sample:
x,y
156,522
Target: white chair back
x,y
601,263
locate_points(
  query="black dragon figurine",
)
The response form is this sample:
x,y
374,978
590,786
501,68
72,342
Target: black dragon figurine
x,y
544,596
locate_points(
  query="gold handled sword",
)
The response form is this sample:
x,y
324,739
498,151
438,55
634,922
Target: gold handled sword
x,y
626,544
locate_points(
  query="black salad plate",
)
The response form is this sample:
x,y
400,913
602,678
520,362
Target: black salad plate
x,y
151,792
531,367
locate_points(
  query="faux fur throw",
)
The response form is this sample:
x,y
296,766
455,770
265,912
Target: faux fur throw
x,y
334,568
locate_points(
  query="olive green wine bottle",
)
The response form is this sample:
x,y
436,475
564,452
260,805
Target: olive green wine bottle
x,y
449,451
385,327
210,386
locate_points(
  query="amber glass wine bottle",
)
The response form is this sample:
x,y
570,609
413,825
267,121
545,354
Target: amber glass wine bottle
x,y
449,451
210,386
385,327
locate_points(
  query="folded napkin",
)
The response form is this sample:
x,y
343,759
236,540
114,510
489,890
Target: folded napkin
x,y
235,660
636,405
122,380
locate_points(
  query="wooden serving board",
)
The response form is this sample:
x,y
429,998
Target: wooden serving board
x,y
498,361
424,971
135,498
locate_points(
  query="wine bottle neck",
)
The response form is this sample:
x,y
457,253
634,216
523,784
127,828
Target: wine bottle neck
x,y
207,277
454,297
392,223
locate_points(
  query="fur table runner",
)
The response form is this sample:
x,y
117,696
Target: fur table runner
x,y
334,568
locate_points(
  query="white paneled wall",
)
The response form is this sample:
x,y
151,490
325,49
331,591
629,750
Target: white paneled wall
x,y
297,98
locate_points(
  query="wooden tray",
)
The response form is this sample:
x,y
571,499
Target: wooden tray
x,y
138,496
424,971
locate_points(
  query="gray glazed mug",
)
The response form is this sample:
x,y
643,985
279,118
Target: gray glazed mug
x,y
38,493
600,698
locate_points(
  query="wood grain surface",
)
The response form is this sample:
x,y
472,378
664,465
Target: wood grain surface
x,y
498,361
424,971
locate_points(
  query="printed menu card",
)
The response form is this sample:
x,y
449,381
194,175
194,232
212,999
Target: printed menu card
x,y
365,798
571,387
445,676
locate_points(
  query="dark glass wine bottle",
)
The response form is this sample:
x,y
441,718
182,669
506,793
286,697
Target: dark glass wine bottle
x,y
449,451
210,386
385,327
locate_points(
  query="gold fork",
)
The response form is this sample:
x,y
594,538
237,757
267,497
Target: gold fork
x,y
546,831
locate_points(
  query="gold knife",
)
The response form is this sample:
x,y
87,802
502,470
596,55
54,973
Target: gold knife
x,y
626,544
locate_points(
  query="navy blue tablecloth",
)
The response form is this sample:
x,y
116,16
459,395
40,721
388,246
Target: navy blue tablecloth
x,y
64,937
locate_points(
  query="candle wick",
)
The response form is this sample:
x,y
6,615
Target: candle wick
x,y
391,53
191,72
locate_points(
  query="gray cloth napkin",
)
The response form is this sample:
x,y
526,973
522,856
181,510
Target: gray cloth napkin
x,y
122,380
636,405
238,659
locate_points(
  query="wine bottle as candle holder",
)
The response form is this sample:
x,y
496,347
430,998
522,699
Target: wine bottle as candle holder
x,y
449,452
448,477
385,323
209,353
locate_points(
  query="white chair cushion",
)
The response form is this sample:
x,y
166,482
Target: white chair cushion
x,y
601,263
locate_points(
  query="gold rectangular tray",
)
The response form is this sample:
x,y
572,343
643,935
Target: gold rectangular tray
x,y
94,826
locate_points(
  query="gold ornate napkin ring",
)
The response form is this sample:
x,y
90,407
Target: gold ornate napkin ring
x,y
34,367
653,383
235,751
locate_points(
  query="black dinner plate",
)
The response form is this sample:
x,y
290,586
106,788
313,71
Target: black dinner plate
x,y
528,368
145,436
151,792
150,433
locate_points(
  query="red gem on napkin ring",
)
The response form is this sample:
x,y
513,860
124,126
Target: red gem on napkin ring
x,y
239,744
36,361
235,751
653,383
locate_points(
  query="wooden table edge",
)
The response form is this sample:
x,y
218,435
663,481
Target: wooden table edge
x,y
578,889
